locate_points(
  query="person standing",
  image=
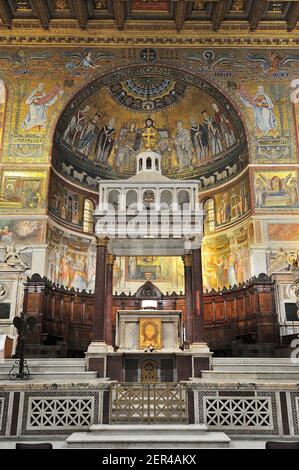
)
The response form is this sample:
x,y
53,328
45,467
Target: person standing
x,y
105,142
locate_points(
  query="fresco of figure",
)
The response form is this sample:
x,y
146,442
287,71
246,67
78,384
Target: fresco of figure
x,y
263,109
231,270
39,102
105,142
224,126
183,145
212,131
75,127
199,139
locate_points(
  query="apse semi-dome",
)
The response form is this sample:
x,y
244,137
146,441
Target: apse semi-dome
x,y
189,123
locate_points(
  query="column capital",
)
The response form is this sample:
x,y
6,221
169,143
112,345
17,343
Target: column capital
x,y
102,241
111,259
187,260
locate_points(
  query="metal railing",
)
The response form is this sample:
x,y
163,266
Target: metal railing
x,y
148,403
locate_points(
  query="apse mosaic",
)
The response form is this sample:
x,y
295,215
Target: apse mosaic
x,y
193,131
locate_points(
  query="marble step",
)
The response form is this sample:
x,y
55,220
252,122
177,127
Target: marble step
x,y
45,368
41,366
251,360
153,429
57,375
165,436
235,375
256,368
49,362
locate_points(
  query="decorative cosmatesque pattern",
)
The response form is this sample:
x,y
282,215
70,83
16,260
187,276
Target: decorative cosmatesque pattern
x,y
255,414
61,412
294,409
240,413
1,411
4,399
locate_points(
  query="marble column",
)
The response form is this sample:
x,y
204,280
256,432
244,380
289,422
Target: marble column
x,y
109,301
98,332
188,299
197,295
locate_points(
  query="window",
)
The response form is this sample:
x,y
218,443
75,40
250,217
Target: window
x,y
291,312
4,311
88,216
209,208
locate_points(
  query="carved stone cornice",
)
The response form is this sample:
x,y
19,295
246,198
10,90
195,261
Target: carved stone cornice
x,y
109,38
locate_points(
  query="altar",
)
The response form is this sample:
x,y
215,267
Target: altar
x,y
138,330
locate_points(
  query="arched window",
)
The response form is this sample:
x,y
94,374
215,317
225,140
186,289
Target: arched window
x,y
131,198
166,198
88,216
209,208
149,163
2,109
183,197
113,198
